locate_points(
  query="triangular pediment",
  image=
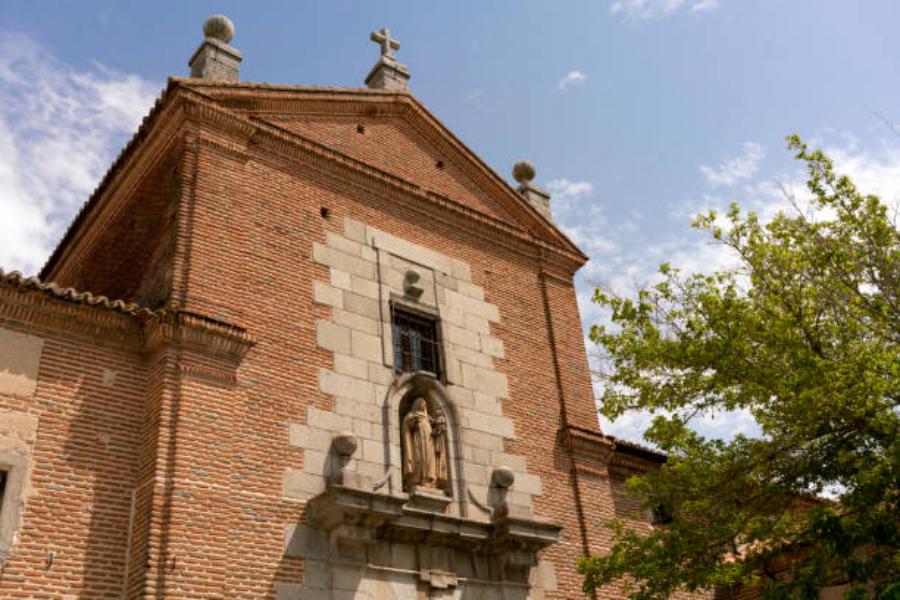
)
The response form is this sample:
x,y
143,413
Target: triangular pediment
x,y
389,131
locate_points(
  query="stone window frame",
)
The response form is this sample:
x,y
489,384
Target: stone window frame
x,y
10,511
420,311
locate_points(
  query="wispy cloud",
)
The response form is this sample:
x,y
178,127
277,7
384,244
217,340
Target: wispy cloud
x,y
579,215
572,79
736,169
59,130
658,9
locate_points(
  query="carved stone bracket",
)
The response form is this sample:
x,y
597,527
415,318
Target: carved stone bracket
x,y
354,517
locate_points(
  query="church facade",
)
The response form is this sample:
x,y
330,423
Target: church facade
x,y
303,343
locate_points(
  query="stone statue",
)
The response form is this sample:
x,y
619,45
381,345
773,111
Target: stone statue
x,y
418,447
442,472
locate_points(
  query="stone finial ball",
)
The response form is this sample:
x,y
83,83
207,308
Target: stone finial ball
x,y
345,443
503,477
523,171
219,27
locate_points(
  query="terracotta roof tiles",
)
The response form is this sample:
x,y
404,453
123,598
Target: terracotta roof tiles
x,y
16,280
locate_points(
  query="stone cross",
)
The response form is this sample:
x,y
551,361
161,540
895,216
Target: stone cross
x,y
387,43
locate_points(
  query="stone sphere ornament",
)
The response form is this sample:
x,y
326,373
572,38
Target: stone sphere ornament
x,y
523,171
345,444
503,477
219,27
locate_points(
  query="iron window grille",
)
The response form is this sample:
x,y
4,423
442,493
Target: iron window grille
x,y
416,343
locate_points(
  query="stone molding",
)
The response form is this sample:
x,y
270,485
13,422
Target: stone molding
x,y
351,525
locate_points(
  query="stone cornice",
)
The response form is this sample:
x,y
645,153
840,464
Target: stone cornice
x,y
390,517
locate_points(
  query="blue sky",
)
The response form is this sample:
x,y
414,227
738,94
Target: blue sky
x,y
637,113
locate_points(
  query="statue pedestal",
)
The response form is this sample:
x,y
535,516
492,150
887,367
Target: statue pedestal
x,y
428,498
379,542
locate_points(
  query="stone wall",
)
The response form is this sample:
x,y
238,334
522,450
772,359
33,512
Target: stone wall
x,y
366,268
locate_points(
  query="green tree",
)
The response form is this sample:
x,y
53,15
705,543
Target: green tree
x,y
805,335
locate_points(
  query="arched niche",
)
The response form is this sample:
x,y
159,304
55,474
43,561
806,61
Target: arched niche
x,y
403,391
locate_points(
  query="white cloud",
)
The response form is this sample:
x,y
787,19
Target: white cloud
x,y
563,189
704,6
579,216
59,130
658,9
735,169
572,79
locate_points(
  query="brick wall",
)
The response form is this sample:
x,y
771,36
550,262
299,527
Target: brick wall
x,y
207,447
87,407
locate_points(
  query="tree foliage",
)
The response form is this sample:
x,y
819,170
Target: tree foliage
x,y
805,335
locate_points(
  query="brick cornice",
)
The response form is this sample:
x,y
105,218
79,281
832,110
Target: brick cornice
x,y
281,100
263,135
198,333
35,308
590,451
164,128
47,307
599,454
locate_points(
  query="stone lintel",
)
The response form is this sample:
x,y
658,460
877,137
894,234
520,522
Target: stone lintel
x,y
388,74
216,60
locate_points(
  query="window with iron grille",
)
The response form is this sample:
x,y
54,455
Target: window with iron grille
x,y
416,345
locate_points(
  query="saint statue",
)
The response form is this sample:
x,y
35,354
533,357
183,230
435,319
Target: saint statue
x,y
418,447
442,472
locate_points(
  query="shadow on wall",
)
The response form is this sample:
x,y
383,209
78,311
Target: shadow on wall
x,y
97,465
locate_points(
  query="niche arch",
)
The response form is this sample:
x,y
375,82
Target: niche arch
x,y
403,389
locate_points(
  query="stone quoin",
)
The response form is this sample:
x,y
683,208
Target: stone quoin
x,y
203,395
